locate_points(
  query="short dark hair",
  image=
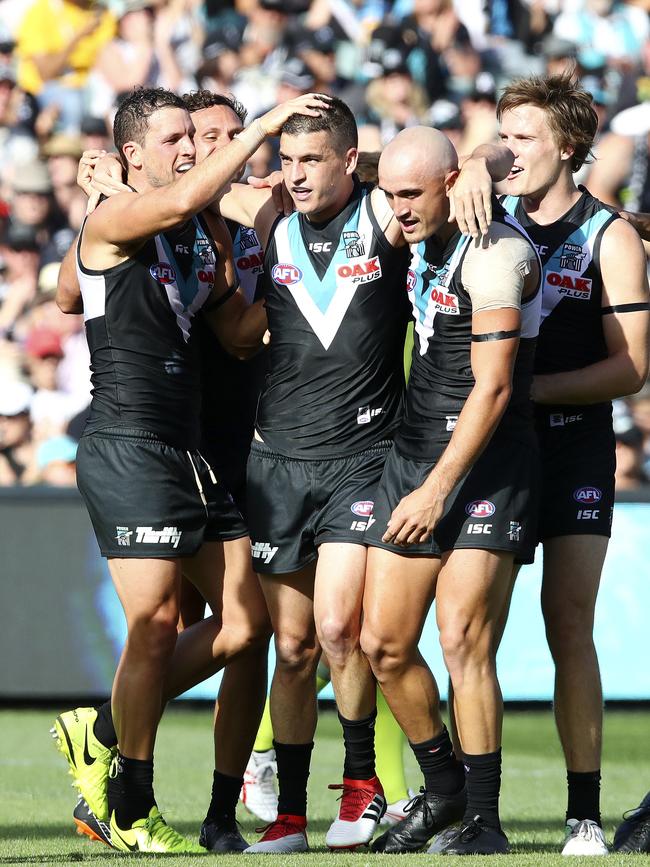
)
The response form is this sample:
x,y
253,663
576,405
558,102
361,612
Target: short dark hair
x,y
132,117
568,107
199,99
337,120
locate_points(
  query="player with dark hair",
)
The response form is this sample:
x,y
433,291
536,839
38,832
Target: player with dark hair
x,y
147,264
592,347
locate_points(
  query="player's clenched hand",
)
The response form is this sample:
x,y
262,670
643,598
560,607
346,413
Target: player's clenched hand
x,y
414,518
311,104
471,198
87,163
107,176
280,194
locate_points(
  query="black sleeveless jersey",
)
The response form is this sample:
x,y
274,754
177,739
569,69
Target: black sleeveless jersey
x,y
441,375
138,314
571,331
337,316
231,387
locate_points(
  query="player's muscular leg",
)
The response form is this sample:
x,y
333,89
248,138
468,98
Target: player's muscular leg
x,y
398,593
338,594
472,594
290,600
148,591
572,569
192,605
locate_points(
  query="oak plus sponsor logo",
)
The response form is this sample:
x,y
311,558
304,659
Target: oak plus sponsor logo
x,y
480,509
568,286
165,536
444,302
254,263
263,551
163,272
286,275
361,272
363,509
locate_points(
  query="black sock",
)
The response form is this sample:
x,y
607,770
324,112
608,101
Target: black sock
x,y
103,729
225,794
483,787
584,795
130,790
293,771
359,740
443,773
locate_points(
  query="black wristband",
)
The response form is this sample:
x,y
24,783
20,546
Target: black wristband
x,y
214,305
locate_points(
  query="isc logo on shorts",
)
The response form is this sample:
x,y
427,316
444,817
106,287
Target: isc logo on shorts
x,y
286,275
480,509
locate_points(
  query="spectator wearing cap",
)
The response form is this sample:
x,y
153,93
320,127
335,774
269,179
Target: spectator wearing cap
x,y
32,202
51,409
57,44
220,61
559,54
20,252
317,50
17,456
94,134
62,153
55,462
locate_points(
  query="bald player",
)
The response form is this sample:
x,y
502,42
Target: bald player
x,y
455,505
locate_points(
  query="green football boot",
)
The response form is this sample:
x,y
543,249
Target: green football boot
x,y
152,834
89,760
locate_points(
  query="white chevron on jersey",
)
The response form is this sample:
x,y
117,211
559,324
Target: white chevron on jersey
x,y
324,323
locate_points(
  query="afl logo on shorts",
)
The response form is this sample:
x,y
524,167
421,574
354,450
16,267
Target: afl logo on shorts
x,y
411,280
163,272
363,508
480,509
587,496
286,274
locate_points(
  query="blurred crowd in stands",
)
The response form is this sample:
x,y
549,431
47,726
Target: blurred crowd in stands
x,y
65,64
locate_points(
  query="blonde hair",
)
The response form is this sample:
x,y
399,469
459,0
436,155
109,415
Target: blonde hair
x,y
568,107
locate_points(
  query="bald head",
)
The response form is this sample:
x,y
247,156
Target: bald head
x,y
422,148
416,171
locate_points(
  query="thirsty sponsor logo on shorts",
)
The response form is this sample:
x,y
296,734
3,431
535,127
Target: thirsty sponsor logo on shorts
x,y
559,419
166,536
365,414
286,275
263,551
480,509
163,272
587,495
445,302
568,286
123,536
362,272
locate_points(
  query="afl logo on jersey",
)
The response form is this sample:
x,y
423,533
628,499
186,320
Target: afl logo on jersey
x,y
285,275
163,273
480,509
363,508
587,496
411,280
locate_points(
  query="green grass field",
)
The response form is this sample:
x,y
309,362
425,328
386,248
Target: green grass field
x,y
36,799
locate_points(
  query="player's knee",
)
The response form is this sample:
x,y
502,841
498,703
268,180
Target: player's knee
x,y
462,647
386,657
155,632
569,630
338,637
296,654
